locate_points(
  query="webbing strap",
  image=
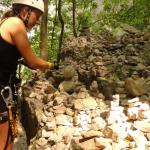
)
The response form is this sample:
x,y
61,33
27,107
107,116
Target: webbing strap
x,y
2,21
3,118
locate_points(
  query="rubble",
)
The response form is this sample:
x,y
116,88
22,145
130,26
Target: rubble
x,y
83,124
101,101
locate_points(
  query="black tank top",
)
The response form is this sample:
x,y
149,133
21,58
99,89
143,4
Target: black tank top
x,y
9,56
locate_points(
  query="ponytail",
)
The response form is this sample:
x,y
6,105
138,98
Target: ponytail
x,y
7,14
14,11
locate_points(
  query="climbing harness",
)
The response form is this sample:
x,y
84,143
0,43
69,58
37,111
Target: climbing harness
x,y
8,99
9,93
6,94
3,118
13,118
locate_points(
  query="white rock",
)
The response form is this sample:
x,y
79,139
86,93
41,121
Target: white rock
x,y
133,113
135,104
144,114
145,106
46,134
139,138
42,142
115,116
100,122
114,104
120,131
77,131
44,118
117,108
116,98
63,120
51,125
136,99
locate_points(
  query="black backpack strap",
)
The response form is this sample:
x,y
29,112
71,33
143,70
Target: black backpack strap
x,y
2,21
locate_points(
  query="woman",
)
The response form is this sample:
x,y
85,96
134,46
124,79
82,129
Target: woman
x,y
14,44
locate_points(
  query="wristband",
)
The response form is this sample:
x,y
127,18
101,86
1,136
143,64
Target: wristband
x,y
50,65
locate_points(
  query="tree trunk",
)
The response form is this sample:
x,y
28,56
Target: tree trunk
x,y
74,18
54,23
43,33
62,29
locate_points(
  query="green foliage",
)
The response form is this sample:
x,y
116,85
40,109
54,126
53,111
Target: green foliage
x,y
6,2
34,38
136,14
114,5
84,15
35,44
84,19
105,22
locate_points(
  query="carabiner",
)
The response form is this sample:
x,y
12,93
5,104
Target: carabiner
x,y
8,99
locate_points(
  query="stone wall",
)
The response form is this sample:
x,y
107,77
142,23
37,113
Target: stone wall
x,y
98,99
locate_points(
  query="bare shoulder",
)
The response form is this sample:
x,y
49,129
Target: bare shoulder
x,y
15,24
13,28
15,21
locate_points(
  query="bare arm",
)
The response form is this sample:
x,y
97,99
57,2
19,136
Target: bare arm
x,y
19,38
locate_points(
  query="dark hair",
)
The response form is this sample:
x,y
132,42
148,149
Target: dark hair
x,y
8,13
14,11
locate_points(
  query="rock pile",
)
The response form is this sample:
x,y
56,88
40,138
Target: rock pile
x,y
111,60
81,121
99,101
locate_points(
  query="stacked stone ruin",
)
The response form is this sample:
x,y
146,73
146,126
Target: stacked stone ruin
x,y
98,99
